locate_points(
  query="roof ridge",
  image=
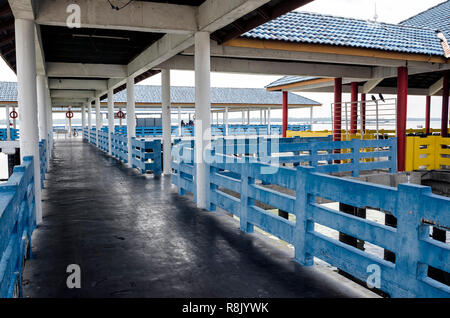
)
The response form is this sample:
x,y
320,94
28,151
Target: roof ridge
x,y
363,20
430,8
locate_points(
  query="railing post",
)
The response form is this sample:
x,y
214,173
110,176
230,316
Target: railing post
x,y
246,180
209,186
302,225
410,231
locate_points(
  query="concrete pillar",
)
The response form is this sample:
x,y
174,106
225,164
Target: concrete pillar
x,y
427,114
261,116
49,111
89,116
363,113
98,118
402,100
445,91
243,117
225,119
202,112
285,113
83,118
248,116
337,122
110,118
311,116
353,108
27,102
166,122
8,128
42,101
131,117
268,122
179,122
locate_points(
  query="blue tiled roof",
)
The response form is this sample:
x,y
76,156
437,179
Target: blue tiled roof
x,y
306,27
437,17
186,95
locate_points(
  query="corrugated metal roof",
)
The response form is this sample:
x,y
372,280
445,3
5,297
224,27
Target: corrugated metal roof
x,y
186,95
306,27
437,17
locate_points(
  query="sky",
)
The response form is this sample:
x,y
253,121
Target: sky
x,y
390,11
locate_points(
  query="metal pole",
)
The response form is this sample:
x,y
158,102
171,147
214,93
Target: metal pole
x,y
202,111
8,129
445,99
83,118
179,121
89,116
285,113
427,114
27,101
269,128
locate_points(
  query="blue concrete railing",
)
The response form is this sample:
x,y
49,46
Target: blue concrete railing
x,y
14,134
410,204
146,155
43,160
119,147
217,130
17,222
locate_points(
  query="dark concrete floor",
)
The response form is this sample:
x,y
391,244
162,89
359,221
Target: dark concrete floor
x,y
133,236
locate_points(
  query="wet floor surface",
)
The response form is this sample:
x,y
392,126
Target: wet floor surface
x,y
133,236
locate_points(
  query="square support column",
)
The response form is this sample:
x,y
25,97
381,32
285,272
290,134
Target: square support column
x,y
110,118
166,121
269,128
225,119
354,108
83,118
131,117
202,113
89,116
27,102
337,122
402,102
42,107
180,127
285,113
427,114
98,119
445,91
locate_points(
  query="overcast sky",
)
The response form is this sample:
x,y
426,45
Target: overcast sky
x,y
390,11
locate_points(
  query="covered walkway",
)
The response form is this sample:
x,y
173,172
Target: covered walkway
x,y
133,236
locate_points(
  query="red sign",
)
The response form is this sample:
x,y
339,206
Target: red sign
x,y
69,114
13,114
120,114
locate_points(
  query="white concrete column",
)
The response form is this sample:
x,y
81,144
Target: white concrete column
x,y
202,112
268,121
243,117
89,116
98,118
311,116
83,117
248,116
225,119
27,101
179,122
49,110
41,100
166,121
8,129
131,117
110,118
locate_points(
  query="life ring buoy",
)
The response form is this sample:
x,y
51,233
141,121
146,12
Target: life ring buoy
x,y
13,114
69,114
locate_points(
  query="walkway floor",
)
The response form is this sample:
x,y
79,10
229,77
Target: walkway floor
x,y
133,236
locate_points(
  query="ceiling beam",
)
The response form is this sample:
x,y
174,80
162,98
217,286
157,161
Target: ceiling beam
x,y
212,14
282,68
436,87
370,85
23,9
70,93
81,84
137,16
86,70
